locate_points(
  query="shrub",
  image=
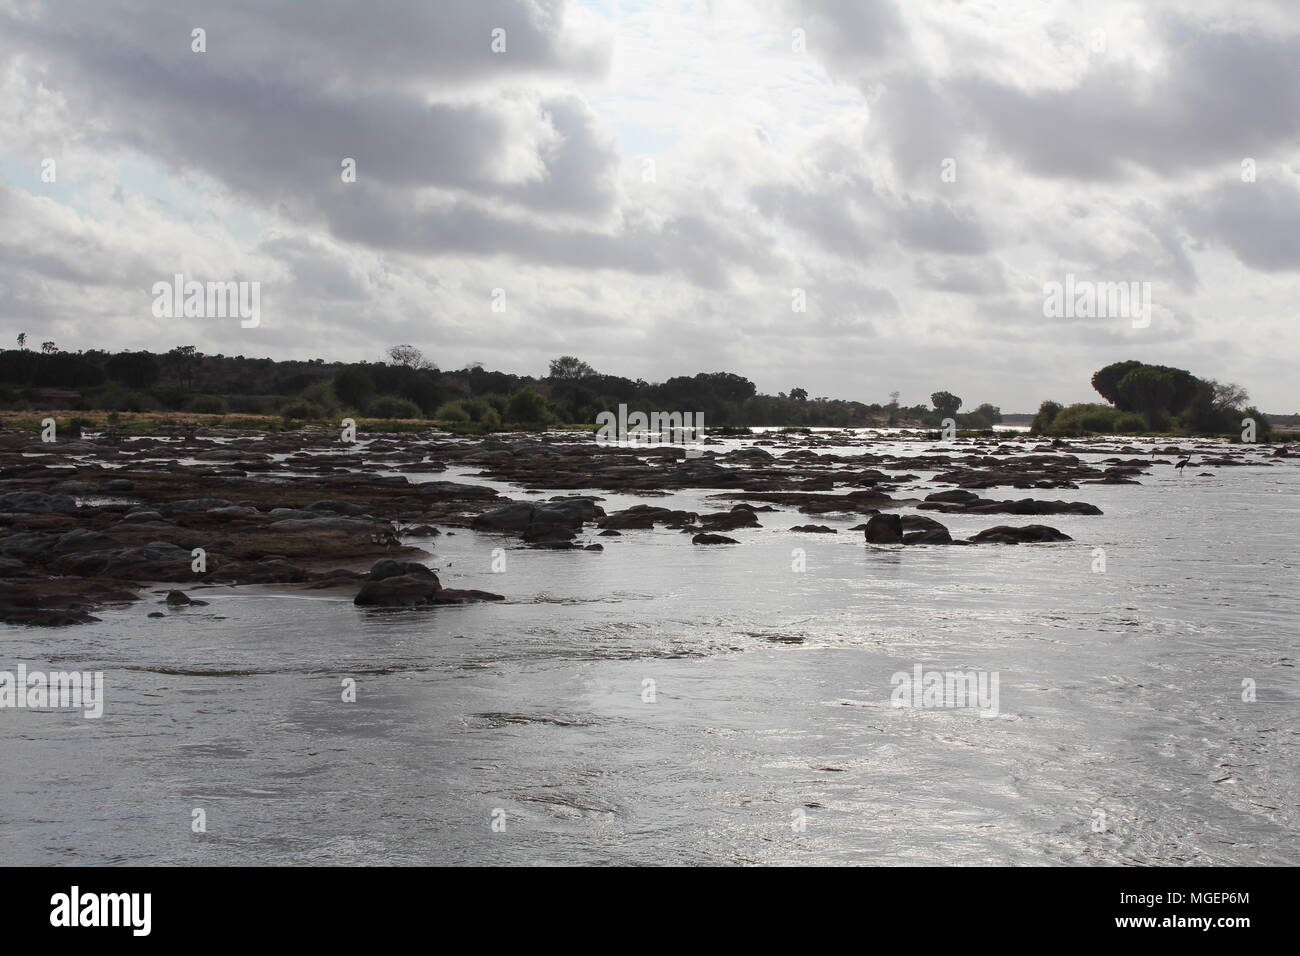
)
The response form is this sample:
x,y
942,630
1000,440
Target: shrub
x,y
527,407
392,406
120,399
452,412
1042,422
300,409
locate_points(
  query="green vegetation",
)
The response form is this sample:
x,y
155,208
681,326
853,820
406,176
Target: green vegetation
x,y
406,386
1153,399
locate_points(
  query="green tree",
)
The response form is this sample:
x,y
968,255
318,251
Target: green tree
x,y
133,369
570,367
1148,390
354,386
526,407
945,403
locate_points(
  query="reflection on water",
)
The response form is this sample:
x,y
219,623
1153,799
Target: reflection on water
x,y
663,703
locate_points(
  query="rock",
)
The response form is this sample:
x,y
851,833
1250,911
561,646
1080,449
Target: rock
x,y
729,520
196,504
28,543
454,596
814,529
181,599
388,568
939,536
884,529
81,541
358,526
554,521
37,501
920,523
713,539
238,511
157,561
141,516
1006,534
956,496
400,590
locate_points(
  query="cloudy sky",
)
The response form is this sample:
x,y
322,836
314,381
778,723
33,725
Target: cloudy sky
x,y
648,182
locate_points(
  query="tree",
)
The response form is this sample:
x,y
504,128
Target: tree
x,y
526,407
1149,390
183,360
1228,394
1106,381
22,340
354,386
945,403
799,394
408,356
49,348
569,368
1047,413
133,369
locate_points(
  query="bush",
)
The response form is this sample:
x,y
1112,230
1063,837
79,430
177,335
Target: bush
x,y
116,398
253,404
207,405
1042,423
527,408
301,409
452,412
391,406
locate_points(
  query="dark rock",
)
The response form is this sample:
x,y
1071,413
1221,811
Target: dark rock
x,y
884,529
388,568
401,590
181,599
713,539
814,529
1006,534
939,536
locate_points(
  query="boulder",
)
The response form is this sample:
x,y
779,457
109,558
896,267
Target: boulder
x,y
884,529
1006,534
388,568
713,539
399,590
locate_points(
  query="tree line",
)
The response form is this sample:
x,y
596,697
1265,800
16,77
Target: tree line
x,y
405,384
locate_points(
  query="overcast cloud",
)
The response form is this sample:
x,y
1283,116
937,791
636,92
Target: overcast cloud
x,y
648,182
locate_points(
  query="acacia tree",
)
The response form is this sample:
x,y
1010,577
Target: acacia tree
x,y
408,356
570,367
1148,390
945,403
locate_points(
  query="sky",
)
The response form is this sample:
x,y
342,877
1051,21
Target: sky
x,y
854,198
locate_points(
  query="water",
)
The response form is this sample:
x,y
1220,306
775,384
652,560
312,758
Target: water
x,y
769,738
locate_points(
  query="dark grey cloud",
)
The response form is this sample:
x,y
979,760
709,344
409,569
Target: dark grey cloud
x,y
1259,222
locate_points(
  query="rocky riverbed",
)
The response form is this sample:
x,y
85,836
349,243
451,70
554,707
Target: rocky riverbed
x,y
87,523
